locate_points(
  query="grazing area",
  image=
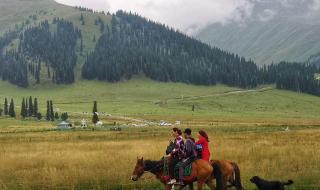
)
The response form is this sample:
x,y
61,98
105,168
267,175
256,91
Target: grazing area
x,y
83,94
88,159
268,132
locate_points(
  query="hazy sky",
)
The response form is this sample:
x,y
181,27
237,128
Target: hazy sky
x,y
187,15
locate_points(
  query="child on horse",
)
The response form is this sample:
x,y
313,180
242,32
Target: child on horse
x,y
177,153
204,143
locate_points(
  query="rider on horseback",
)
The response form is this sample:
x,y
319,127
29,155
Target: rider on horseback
x,y
189,153
177,153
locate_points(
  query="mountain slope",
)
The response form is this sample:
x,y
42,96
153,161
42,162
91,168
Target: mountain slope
x,y
275,32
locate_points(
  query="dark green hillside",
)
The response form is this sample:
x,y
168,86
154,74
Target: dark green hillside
x,y
62,45
134,45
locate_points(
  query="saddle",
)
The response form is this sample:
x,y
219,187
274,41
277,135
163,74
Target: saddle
x,y
187,170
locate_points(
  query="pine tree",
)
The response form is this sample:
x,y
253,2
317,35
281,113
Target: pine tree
x,y
81,17
30,112
95,107
48,111
64,116
27,107
6,110
39,116
56,115
35,107
95,117
81,45
23,108
51,111
12,112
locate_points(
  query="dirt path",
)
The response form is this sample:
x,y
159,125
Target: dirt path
x,y
222,94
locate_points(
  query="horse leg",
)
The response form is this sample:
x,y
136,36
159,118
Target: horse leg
x,y
191,186
200,185
211,185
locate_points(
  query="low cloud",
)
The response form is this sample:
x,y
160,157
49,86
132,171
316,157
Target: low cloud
x,y
190,16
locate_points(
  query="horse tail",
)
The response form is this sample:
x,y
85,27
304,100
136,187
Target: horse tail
x,y
237,176
218,175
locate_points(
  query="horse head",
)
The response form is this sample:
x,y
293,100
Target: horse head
x,y
138,170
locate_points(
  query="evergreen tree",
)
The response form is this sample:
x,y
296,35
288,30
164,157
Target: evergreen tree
x,y
81,45
12,112
39,116
51,111
48,111
30,111
64,116
27,106
81,17
6,110
95,117
56,116
35,107
95,107
23,109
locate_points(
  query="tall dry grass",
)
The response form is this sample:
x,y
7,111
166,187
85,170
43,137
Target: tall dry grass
x,y
104,160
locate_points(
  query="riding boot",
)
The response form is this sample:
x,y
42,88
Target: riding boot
x,y
181,172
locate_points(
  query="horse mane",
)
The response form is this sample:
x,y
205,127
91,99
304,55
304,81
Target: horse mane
x,y
153,166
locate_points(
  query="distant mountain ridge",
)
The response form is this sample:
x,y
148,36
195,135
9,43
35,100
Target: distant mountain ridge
x,y
276,31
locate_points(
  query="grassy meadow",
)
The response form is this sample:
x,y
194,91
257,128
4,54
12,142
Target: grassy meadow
x,y
246,126
105,160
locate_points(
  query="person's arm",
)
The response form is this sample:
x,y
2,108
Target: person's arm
x,y
177,147
200,141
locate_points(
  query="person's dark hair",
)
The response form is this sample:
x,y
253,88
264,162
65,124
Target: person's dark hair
x,y
187,131
177,130
204,134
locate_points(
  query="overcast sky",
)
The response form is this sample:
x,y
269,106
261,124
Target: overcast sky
x,y
188,16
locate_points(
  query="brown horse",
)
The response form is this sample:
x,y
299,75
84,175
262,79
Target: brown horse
x,y
201,173
230,173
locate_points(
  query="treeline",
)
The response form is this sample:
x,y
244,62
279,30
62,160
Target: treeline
x,y
30,109
298,77
134,45
8,109
90,10
56,49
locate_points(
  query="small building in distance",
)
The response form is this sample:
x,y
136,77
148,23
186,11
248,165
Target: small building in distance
x,y
64,125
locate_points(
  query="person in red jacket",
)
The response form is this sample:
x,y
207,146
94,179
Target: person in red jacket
x,y
204,142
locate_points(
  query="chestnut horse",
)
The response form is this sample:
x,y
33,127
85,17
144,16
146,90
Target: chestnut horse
x,y
201,173
230,173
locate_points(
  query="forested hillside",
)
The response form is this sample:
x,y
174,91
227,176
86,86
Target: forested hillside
x,y
134,45
56,49
116,47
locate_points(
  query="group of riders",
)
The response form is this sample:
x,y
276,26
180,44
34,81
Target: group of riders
x,y
185,150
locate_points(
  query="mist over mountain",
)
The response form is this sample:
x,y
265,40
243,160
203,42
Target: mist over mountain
x,y
276,30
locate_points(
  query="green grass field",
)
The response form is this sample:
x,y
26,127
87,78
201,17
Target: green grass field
x,y
142,97
246,126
